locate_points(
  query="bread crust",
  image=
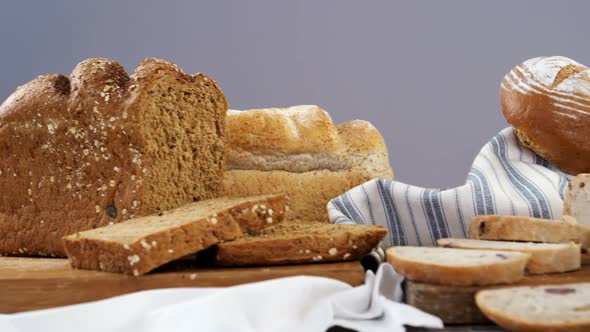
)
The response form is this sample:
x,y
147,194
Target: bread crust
x,y
520,228
143,244
75,154
547,101
511,322
297,242
545,258
508,270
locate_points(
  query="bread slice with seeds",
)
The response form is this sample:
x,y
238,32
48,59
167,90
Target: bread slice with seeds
x,y
517,228
140,245
301,242
457,266
101,147
545,257
556,308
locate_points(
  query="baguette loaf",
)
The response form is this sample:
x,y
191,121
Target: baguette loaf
x,y
140,245
553,308
576,201
298,150
545,257
101,147
301,242
458,267
516,228
547,101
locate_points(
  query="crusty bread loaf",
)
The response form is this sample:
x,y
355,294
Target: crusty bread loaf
x,y
545,257
576,201
457,266
101,147
301,242
517,228
556,308
142,244
298,150
547,101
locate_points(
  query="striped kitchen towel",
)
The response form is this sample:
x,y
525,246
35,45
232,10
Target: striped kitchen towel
x,y
506,178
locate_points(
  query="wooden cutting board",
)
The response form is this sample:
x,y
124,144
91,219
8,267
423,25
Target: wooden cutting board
x,y
456,304
39,283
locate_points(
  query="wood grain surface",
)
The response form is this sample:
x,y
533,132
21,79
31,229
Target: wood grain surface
x,y
456,305
38,283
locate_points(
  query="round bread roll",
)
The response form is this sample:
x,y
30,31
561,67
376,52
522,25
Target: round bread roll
x,y
547,101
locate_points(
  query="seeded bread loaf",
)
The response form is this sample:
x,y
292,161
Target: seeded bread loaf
x,y
301,242
545,257
142,244
547,101
516,228
556,308
576,201
457,266
100,147
299,150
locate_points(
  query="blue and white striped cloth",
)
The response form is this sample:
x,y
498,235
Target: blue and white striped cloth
x,y
506,178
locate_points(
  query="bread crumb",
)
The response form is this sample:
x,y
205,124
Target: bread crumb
x,y
124,211
116,169
154,243
307,251
112,183
317,258
135,272
133,259
171,251
97,209
346,256
333,251
213,221
126,246
145,245
269,220
354,246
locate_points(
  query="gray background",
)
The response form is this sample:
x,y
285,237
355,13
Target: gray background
x,y
426,73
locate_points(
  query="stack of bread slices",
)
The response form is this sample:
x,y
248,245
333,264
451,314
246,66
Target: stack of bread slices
x,y
501,250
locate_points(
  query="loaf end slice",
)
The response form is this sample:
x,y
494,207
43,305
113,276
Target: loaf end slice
x,y
518,228
300,242
539,308
576,201
140,245
545,257
457,266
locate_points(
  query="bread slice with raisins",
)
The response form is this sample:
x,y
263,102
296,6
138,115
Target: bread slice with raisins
x,y
517,228
458,266
557,308
545,257
301,242
140,245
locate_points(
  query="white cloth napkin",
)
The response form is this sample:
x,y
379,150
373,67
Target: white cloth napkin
x,y
287,304
505,178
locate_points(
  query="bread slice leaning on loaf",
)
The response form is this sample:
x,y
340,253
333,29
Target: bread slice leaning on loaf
x,y
556,308
299,150
301,242
101,147
457,266
140,245
545,257
576,201
517,228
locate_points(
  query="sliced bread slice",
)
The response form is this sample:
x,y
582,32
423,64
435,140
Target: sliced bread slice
x,y
545,257
554,308
140,245
301,242
516,228
576,201
457,266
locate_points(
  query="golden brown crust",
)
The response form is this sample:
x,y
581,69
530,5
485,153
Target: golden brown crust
x,y
508,270
520,228
300,242
309,192
547,101
75,153
143,244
